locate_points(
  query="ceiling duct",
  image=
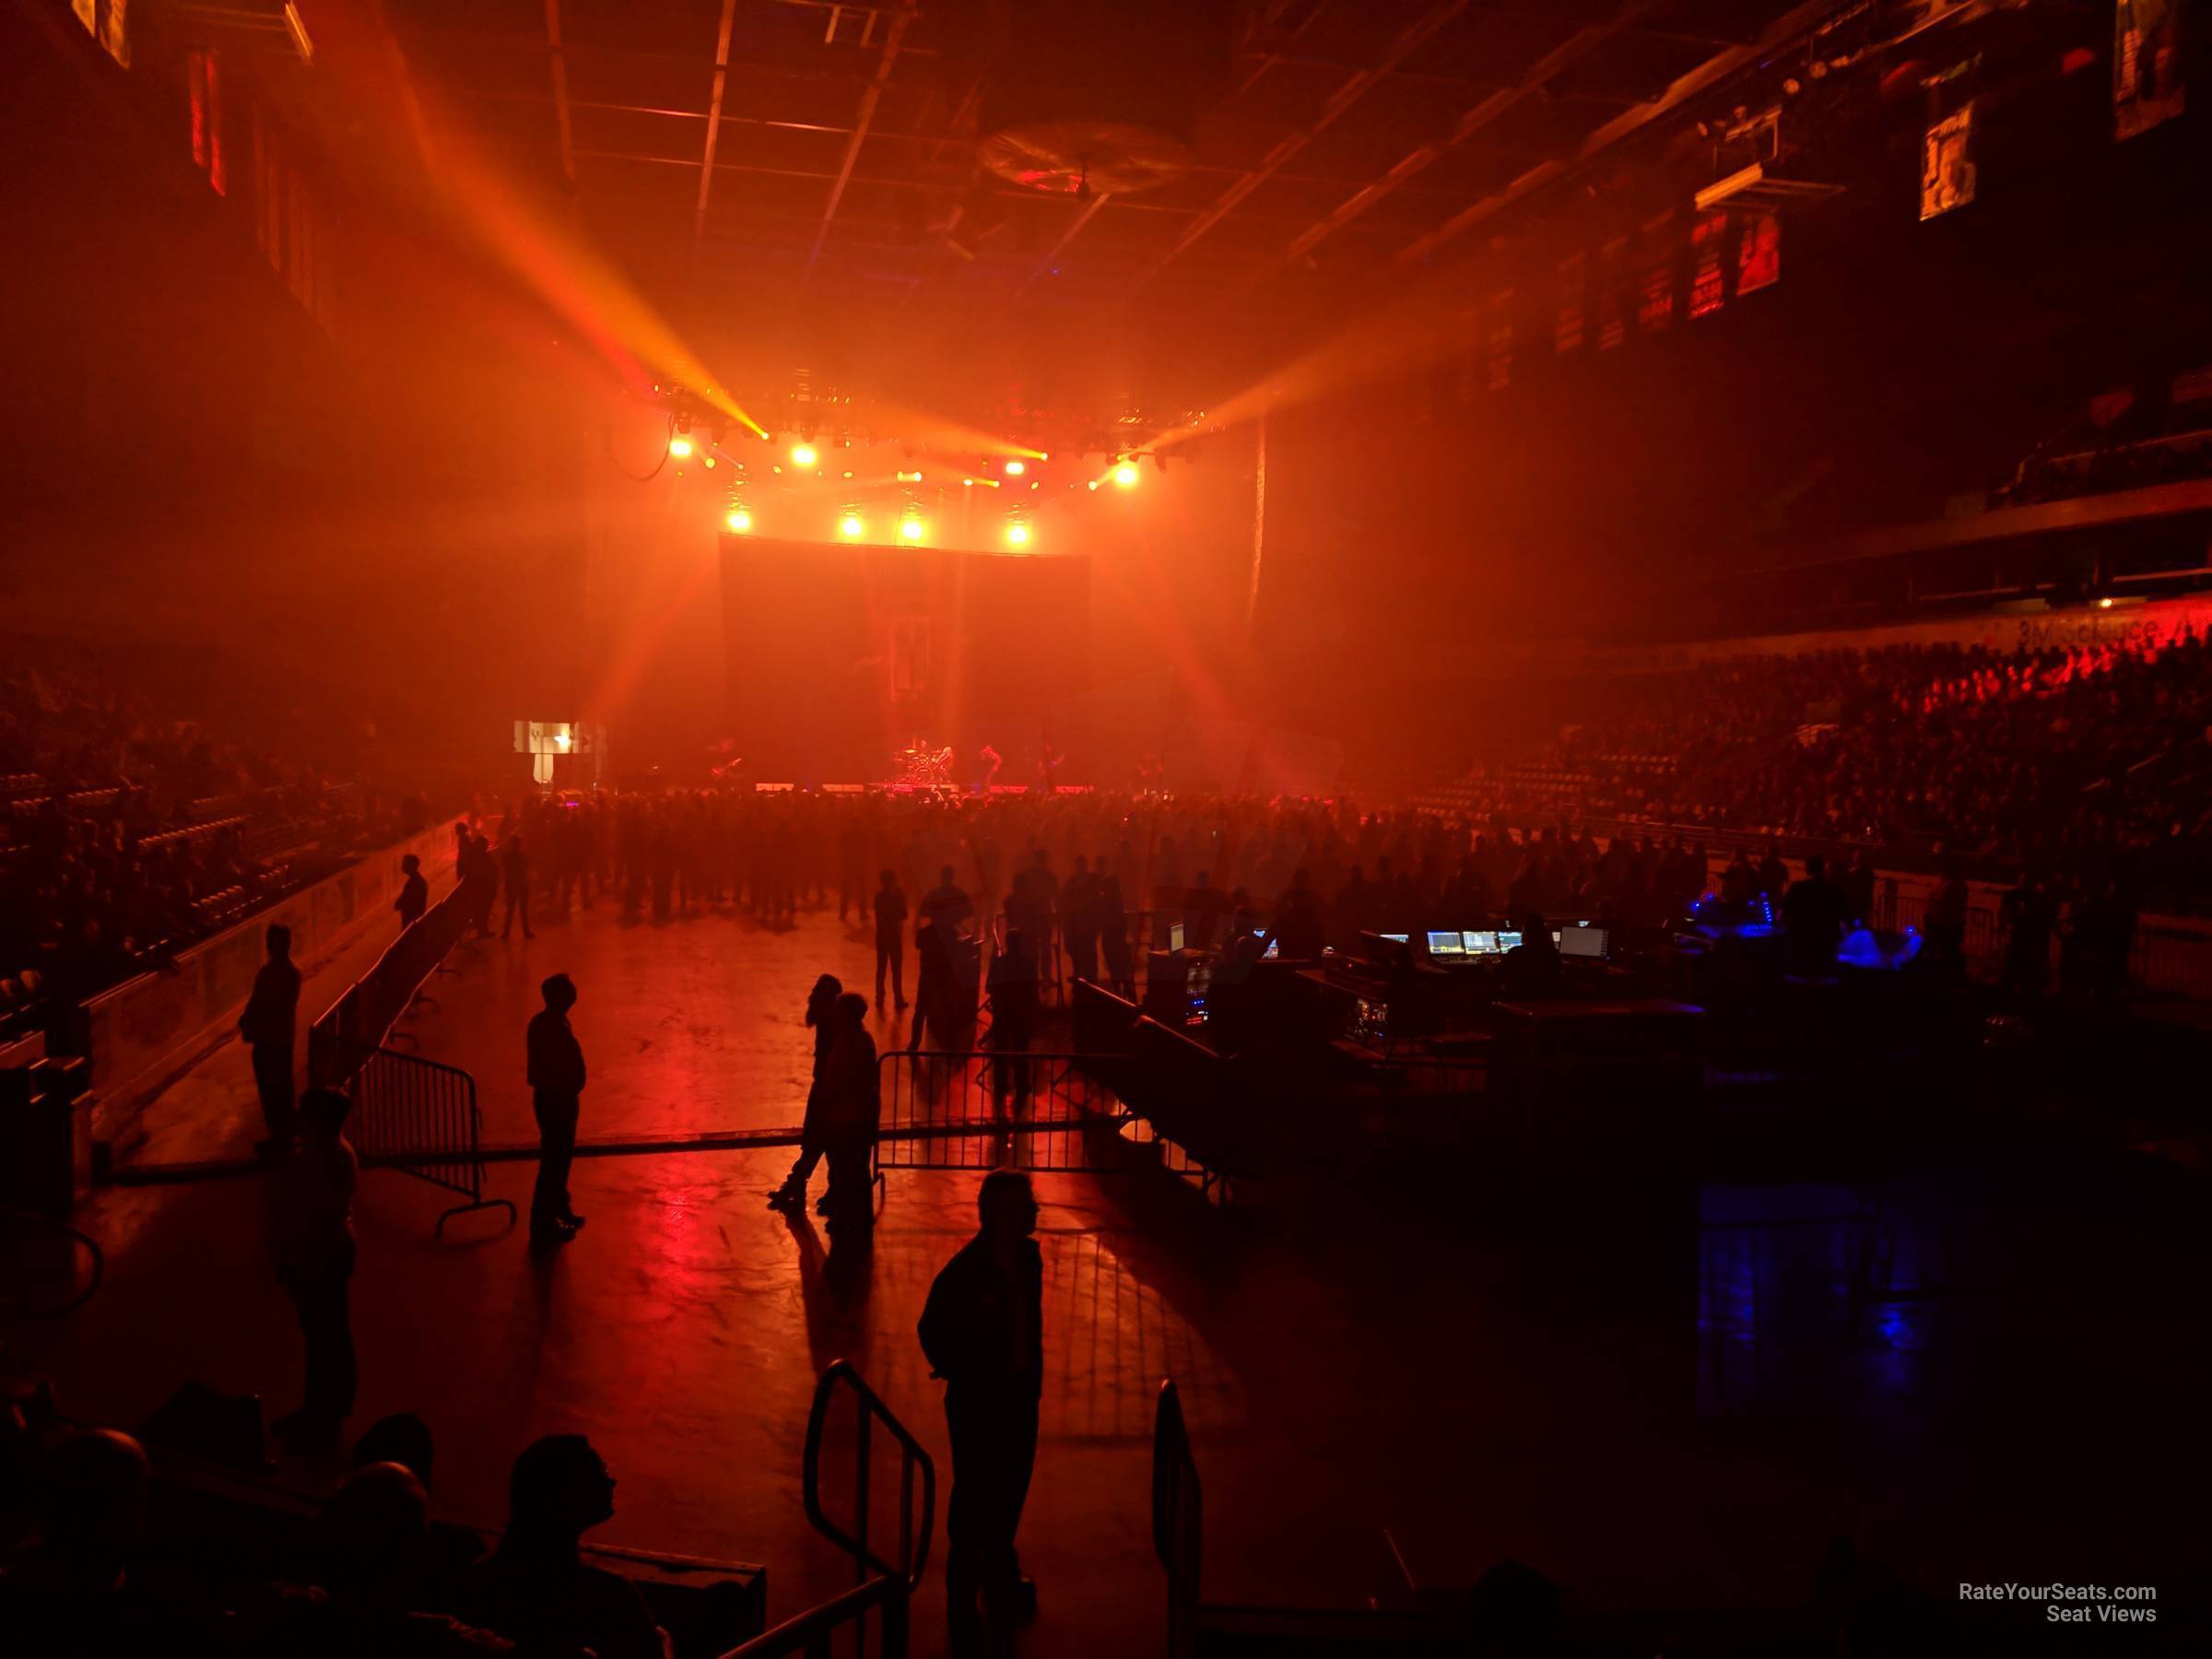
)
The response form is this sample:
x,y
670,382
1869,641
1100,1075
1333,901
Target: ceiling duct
x,y
1086,100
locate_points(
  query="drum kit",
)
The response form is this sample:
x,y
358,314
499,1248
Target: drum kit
x,y
925,767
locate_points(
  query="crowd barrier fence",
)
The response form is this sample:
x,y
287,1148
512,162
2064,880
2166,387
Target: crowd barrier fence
x,y
142,1033
420,1117
362,1019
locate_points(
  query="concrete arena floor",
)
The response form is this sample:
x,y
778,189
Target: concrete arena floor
x,y
1656,1412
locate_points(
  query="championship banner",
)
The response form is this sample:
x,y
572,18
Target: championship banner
x,y
1946,154
2148,87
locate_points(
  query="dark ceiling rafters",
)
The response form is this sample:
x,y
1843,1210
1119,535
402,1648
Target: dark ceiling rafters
x,y
893,38
1570,52
706,167
1427,81
1800,20
557,64
1355,87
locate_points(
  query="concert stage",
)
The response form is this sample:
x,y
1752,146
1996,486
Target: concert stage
x,y
841,658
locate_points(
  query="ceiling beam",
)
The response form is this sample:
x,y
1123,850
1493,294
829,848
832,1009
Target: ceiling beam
x,y
1570,52
870,98
1799,20
1355,87
721,75
559,63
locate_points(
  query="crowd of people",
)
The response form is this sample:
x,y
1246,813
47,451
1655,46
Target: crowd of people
x,y
2088,761
125,836
373,1578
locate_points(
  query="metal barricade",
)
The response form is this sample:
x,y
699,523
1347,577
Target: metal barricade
x,y
361,1020
981,1109
420,1117
883,1582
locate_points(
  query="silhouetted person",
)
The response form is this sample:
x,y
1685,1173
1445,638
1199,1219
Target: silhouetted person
x,y
934,983
1945,923
1113,938
1079,920
267,1025
1300,926
556,1060
1034,903
2030,913
1204,908
514,870
1532,967
534,1589
946,904
487,885
982,1329
414,892
852,1115
821,1020
1812,920
402,1437
1013,1020
71,1594
890,938
1773,876
312,1245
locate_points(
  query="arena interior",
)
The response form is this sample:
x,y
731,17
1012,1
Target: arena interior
x,y
1211,827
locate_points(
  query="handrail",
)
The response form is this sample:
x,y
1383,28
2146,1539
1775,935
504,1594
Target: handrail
x,y
815,1624
77,1298
885,1585
907,1573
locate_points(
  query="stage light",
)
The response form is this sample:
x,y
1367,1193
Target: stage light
x,y
1126,474
680,447
851,523
909,528
709,462
1092,484
739,520
802,455
1017,534
1016,468
968,483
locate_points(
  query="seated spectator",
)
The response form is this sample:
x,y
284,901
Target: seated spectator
x,y
375,1580
534,1588
71,1594
1812,920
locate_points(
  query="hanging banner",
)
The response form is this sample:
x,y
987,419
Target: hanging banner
x,y
1946,164
2147,64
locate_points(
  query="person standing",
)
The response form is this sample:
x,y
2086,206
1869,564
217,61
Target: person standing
x,y
852,1115
935,987
982,1332
821,1020
267,1026
557,1090
1079,920
312,1242
515,869
1013,1021
890,939
414,892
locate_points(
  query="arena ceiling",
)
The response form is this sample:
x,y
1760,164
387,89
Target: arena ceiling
x,y
825,156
